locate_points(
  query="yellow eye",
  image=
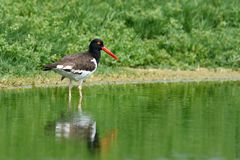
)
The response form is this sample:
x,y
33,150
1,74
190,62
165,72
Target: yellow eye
x,y
98,43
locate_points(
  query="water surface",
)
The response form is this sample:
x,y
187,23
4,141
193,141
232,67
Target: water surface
x,y
122,122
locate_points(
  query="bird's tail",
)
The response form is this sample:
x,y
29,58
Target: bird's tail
x,y
49,67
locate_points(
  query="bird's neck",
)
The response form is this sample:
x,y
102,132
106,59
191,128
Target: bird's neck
x,y
96,54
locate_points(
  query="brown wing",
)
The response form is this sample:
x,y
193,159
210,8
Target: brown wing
x,y
85,63
78,62
65,60
81,61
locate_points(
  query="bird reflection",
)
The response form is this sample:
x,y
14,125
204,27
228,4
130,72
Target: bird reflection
x,y
75,124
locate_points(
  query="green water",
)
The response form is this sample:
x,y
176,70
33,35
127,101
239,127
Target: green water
x,y
122,122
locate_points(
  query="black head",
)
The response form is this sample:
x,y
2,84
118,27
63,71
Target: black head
x,y
96,45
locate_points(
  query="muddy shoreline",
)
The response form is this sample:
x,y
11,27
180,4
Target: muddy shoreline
x,y
125,76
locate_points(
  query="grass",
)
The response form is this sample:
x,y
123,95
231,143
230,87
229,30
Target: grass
x,y
177,34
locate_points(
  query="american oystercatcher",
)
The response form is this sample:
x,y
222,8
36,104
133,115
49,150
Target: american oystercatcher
x,y
79,67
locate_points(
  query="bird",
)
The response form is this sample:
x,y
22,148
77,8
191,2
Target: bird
x,y
78,67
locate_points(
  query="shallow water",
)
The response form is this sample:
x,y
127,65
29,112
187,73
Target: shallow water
x,y
122,122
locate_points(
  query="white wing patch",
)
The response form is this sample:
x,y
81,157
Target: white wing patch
x,y
76,71
59,66
67,67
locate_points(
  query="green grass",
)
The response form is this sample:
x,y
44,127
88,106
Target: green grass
x,y
155,33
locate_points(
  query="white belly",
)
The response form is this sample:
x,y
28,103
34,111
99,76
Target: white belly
x,y
75,76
